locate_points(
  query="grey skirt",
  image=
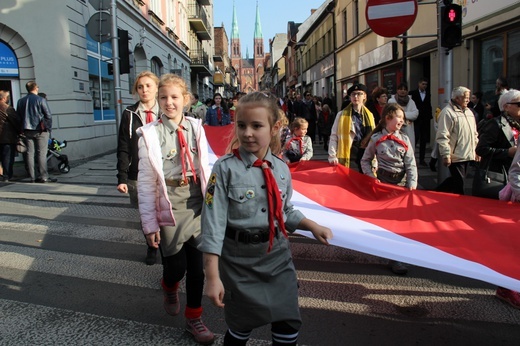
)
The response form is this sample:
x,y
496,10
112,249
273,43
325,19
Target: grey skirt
x,y
186,206
260,287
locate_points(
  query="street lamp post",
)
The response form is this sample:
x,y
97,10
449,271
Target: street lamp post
x,y
297,47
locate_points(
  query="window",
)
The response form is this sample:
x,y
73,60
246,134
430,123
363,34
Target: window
x,y
157,66
155,7
344,26
355,19
499,56
101,84
513,59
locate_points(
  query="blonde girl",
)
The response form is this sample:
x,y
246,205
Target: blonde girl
x,y
173,171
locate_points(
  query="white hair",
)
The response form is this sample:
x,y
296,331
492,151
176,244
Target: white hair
x,y
508,96
459,91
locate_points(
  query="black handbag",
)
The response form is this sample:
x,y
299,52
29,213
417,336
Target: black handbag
x,y
487,184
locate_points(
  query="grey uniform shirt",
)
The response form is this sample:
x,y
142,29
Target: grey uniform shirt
x,y
294,146
172,163
391,157
236,197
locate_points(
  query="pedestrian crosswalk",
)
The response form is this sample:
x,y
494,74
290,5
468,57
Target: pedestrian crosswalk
x,y
72,272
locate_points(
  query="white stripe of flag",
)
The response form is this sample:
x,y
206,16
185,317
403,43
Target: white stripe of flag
x,y
400,9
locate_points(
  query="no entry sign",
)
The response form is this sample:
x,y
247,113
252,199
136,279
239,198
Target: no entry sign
x,y
390,18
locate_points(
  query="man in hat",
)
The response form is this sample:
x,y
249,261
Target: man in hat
x,y
351,126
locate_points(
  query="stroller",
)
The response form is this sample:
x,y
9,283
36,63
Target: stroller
x,y
53,154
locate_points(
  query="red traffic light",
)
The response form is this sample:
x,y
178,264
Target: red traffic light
x,y
452,15
451,26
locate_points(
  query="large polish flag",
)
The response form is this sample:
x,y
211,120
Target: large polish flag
x,y
474,237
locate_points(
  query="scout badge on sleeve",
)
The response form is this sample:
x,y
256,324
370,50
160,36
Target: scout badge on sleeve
x,y
210,191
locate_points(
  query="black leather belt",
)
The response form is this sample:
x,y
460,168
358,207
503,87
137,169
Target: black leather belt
x,y
178,183
248,237
382,172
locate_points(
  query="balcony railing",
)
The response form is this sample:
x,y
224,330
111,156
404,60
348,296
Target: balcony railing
x,y
199,20
200,62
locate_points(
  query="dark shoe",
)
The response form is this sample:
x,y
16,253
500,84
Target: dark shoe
x,y
171,299
508,296
433,165
48,180
398,268
151,256
200,332
422,163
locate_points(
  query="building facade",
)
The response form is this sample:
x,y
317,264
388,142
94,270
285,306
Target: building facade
x,y
72,67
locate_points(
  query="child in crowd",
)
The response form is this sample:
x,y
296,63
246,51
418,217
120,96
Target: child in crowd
x,y
173,171
299,146
285,132
394,157
325,122
245,219
392,151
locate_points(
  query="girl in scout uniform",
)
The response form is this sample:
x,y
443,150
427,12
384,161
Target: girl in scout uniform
x,y
394,158
392,150
173,170
245,219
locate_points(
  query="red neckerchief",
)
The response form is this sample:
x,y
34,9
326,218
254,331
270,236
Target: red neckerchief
x,y
274,200
185,153
149,116
219,115
300,143
392,137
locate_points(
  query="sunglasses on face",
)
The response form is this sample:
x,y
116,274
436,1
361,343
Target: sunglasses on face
x,y
514,103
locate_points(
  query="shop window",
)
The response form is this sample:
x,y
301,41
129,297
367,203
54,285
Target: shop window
x,y
492,55
372,81
513,59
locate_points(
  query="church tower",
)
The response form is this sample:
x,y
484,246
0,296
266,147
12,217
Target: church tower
x,y
249,70
236,53
258,45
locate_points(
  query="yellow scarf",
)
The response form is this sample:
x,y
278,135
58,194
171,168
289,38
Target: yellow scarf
x,y
344,127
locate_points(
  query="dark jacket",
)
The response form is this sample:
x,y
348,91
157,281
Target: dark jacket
x,y
212,116
34,112
9,124
495,139
127,149
424,107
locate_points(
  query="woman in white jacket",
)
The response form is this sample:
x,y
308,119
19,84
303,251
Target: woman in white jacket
x,y
411,113
173,171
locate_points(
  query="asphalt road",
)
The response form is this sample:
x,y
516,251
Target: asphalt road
x,y
72,273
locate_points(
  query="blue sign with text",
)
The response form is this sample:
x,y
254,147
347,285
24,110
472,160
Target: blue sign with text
x,y
8,62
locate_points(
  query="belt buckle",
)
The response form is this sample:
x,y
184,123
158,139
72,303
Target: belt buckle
x,y
183,182
255,238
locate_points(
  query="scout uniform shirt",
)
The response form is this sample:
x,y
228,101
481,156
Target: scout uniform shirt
x,y
236,198
170,149
391,157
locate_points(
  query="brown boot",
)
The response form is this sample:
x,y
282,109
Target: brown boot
x,y
171,299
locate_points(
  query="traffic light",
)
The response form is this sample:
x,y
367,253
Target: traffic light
x,y
451,26
124,52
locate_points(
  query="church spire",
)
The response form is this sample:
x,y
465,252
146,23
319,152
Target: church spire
x,y
234,24
258,26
